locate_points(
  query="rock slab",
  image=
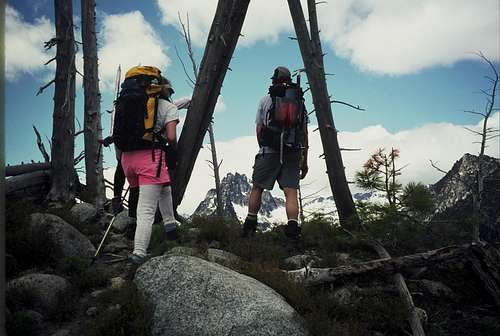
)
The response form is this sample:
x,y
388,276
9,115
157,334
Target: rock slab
x,y
42,292
191,296
69,242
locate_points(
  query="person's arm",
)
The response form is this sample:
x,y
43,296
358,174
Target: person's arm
x,y
171,133
183,103
259,121
304,167
258,131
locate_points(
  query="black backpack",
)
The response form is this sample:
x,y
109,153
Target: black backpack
x,y
135,115
284,126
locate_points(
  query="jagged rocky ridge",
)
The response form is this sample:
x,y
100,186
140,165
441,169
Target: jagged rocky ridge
x,y
453,198
453,193
235,191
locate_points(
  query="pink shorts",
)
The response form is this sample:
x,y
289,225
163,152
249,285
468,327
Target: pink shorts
x,y
140,169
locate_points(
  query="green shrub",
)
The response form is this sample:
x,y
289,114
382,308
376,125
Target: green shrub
x,y
133,317
319,232
214,228
29,247
82,274
264,247
158,244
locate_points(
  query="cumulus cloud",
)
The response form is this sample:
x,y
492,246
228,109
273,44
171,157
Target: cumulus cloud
x,y
129,40
220,106
388,38
417,145
265,20
379,36
24,52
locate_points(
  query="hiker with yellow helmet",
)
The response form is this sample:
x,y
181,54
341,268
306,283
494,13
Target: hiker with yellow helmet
x,y
144,131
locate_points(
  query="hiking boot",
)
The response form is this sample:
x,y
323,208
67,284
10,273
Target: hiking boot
x,y
293,230
172,235
249,227
116,205
132,265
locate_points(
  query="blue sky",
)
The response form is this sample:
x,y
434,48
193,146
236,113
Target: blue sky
x,y
410,67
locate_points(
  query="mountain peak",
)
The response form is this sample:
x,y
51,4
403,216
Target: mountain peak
x,y
235,189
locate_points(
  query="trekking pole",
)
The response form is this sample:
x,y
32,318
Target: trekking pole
x,y
107,231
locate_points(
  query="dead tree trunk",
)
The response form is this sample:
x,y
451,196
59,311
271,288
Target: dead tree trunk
x,y
63,128
222,39
26,168
312,55
215,164
404,292
92,111
486,134
386,265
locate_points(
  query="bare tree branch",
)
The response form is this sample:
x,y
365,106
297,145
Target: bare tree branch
x,y
42,88
191,81
474,112
347,104
350,149
50,60
434,165
40,145
52,42
473,131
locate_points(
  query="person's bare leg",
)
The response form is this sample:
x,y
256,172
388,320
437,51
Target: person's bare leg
x,y
254,202
291,203
292,229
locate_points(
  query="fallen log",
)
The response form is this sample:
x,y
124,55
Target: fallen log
x,y
318,276
485,264
26,168
28,180
414,317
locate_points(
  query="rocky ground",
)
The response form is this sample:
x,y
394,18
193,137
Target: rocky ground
x,y
213,283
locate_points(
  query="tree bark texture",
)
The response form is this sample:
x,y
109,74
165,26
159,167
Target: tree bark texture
x,y
222,39
414,318
312,56
485,263
385,265
27,180
26,168
63,127
92,110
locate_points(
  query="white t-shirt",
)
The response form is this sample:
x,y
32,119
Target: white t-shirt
x,y
166,113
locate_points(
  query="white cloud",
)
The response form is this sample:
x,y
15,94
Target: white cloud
x,y
383,36
24,52
128,39
389,38
220,106
265,20
417,145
